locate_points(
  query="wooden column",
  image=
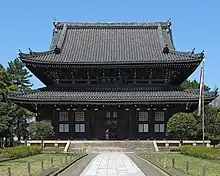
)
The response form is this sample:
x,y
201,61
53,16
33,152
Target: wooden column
x,y
87,124
92,124
72,125
55,122
130,124
151,123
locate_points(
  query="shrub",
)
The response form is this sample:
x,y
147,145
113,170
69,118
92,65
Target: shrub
x,y
41,130
201,152
21,151
181,125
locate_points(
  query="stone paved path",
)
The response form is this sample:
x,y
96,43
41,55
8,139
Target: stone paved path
x,y
77,168
112,164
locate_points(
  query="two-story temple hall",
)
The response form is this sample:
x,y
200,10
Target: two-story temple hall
x,y
119,77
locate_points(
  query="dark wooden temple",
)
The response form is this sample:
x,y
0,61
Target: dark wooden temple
x,y
124,77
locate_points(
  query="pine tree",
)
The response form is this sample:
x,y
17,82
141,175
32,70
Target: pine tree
x,y
4,80
20,78
18,74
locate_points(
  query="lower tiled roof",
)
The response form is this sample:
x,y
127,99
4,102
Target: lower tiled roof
x,y
107,95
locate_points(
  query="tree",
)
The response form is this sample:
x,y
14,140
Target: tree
x,y
7,124
187,84
4,106
4,119
18,74
41,130
4,80
212,122
12,116
181,125
217,129
19,116
19,77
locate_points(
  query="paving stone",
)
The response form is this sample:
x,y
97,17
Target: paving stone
x,y
112,164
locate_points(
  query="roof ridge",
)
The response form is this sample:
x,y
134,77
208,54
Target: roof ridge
x,y
112,24
161,37
62,37
156,87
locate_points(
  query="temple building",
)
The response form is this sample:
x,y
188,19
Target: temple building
x,y
120,77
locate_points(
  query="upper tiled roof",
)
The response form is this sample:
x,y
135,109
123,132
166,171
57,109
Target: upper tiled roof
x,y
110,43
101,95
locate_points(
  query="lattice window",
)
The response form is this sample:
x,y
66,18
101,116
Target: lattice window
x,y
143,116
79,128
143,128
63,128
159,116
63,116
108,115
79,116
115,114
159,128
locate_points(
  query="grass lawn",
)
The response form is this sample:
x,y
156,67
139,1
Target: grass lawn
x,y
195,164
18,166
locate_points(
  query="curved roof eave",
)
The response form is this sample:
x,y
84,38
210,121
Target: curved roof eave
x,y
159,61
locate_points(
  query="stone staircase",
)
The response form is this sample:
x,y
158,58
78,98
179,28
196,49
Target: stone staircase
x,y
111,146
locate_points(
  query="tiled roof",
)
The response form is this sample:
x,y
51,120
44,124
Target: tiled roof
x,y
216,102
110,43
151,94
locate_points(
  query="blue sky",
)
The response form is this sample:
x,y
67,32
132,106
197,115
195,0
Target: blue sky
x,y
196,23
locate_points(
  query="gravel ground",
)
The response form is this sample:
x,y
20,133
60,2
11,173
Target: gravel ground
x,y
79,166
147,168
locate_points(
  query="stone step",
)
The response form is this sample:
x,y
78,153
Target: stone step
x,y
102,146
163,149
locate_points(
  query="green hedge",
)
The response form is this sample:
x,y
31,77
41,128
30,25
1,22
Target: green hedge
x,y
20,151
201,152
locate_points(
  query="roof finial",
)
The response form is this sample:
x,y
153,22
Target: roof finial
x,y
21,88
56,50
216,91
20,53
169,22
31,52
166,49
192,52
55,23
202,54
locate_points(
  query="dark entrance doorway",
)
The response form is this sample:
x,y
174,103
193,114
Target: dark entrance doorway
x,y
115,121
111,124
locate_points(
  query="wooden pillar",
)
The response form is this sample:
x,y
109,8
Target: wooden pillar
x,y
151,123
91,123
131,124
72,124
87,124
55,122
